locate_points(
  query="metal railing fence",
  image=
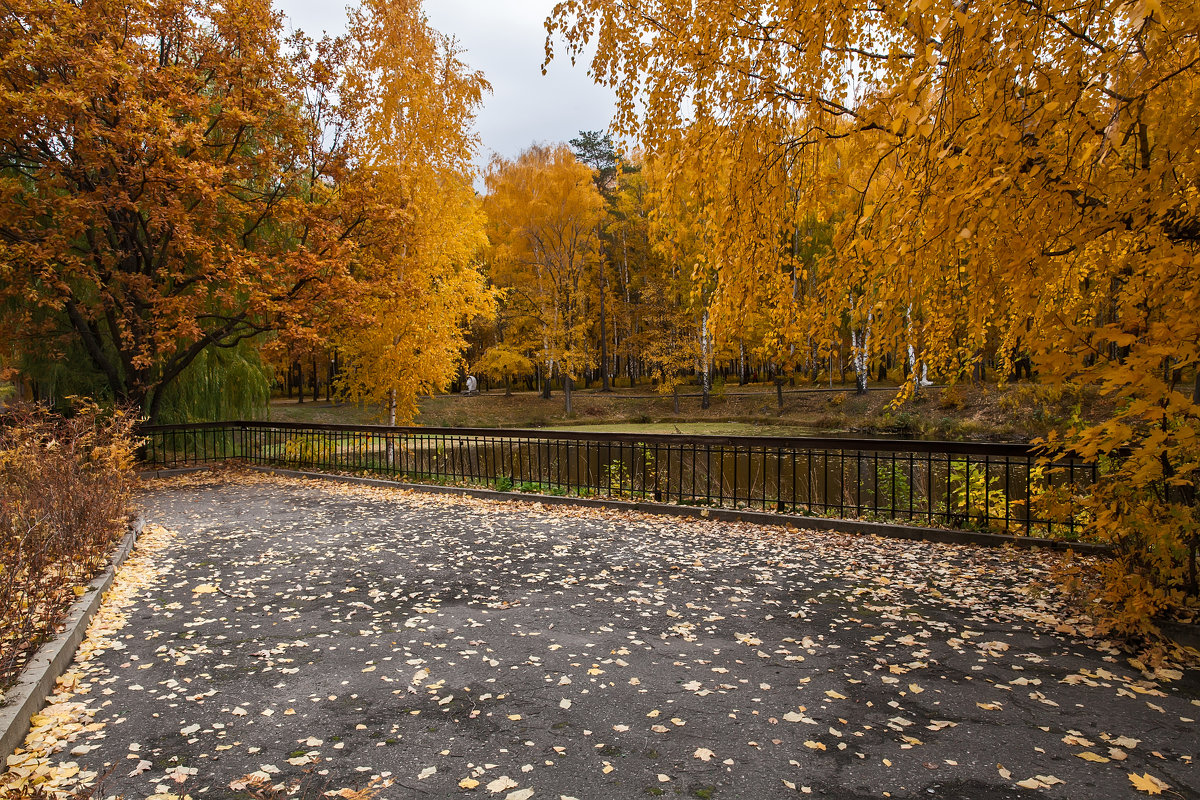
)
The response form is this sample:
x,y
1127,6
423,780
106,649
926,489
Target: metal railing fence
x,y
982,486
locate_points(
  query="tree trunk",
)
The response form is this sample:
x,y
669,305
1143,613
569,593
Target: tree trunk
x,y
604,387
779,392
860,344
706,362
391,448
508,386
567,392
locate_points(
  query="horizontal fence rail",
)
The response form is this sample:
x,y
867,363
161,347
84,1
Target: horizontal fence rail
x,y
980,486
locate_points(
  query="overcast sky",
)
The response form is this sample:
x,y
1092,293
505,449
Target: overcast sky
x,y
505,39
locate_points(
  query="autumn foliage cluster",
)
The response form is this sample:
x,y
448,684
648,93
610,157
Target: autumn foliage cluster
x,y
1019,178
588,286
184,186
64,489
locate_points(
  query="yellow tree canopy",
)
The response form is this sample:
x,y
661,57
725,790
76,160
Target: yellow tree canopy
x,y
412,333
412,140
1025,173
503,362
544,213
656,273
180,176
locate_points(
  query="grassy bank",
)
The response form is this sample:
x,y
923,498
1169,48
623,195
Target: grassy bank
x,y
979,412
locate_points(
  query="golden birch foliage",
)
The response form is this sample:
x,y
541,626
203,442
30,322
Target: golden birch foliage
x,y
1020,173
699,221
413,336
659,311
543,213
504,363
420,240
680,229
412,94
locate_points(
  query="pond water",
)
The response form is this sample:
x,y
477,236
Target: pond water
x,y
720,429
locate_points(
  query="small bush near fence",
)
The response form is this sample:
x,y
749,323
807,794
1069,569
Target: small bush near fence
x,y
65,486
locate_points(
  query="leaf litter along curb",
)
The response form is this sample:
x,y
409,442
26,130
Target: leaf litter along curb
x,y
463,625
66,720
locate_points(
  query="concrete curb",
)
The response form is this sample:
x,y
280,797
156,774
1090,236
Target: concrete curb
x,y
28,695
886,530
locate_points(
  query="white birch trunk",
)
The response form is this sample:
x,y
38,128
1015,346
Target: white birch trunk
x,y
860,345
921,380
391,448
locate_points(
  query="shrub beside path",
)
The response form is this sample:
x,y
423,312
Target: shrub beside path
x,y
282,632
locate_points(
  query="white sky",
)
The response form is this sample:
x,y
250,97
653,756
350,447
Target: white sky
x,y
506,40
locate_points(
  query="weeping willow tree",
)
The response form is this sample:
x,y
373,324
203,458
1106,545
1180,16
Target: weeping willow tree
x,y
221,384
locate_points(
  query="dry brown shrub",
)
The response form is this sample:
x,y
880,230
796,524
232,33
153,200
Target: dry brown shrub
x,y
65,485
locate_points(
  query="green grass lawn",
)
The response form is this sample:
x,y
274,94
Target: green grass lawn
x,y
285,410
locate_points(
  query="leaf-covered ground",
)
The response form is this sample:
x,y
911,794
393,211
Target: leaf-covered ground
x,y
272,630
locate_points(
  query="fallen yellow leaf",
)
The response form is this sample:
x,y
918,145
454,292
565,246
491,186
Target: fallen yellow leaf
x,y
1147,783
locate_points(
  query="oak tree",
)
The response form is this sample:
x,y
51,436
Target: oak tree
x,y
181,176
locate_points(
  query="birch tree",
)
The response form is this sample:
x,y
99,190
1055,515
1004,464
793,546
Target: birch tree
x,y
544,212
1028,176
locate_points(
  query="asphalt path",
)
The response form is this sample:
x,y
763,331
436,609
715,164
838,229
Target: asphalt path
x,y
318,637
